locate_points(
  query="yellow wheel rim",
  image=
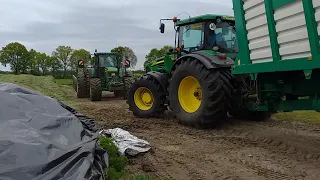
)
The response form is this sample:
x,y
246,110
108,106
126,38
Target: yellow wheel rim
x,y
190,94
143,98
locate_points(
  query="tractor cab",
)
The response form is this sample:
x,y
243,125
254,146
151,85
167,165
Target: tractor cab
x,y
206,32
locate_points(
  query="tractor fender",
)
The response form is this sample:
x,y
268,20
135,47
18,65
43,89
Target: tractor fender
x,y
162,78
74,82
209,61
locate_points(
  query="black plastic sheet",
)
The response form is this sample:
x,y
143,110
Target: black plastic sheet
x,y
42,138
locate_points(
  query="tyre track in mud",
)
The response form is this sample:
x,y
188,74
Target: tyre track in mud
x,y
237,150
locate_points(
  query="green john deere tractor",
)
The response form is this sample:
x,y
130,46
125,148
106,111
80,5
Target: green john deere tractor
x,y
193,79
107,73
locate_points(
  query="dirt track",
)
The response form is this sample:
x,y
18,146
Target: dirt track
x,y
238,150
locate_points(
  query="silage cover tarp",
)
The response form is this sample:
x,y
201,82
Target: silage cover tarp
x,y
42,138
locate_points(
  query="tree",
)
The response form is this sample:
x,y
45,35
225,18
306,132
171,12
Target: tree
x,y
16,55
63,54
126,53
156,53
42,61
79,54
32,63
54,64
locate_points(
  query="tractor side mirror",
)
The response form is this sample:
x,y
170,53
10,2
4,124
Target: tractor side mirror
x,y
162,26
126,63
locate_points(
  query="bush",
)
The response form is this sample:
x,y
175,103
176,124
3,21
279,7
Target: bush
x,y
117,163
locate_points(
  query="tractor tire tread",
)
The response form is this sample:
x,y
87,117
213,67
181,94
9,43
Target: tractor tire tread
x,y
96,91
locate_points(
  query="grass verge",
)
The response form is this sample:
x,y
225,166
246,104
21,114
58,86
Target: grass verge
x,y
63,81
310,117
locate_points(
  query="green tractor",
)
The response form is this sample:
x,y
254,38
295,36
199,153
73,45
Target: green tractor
x,y
194,79
206,78
104,73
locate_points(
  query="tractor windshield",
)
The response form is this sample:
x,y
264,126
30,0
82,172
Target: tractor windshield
x,y
222,37
191,36
107,60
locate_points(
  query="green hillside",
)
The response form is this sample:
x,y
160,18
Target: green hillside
x,y
43,84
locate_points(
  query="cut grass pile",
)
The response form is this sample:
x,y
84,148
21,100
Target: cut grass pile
x,y
63,81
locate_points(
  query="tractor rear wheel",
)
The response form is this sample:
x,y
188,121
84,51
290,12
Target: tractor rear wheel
x,y
95,89
146,97
82,88
199,96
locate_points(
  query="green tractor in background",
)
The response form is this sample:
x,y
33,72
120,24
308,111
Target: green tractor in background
x,y
105,72
194,79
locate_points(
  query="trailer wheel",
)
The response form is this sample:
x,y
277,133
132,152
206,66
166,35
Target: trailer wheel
x,y
199,96
146,98
82,84
95,89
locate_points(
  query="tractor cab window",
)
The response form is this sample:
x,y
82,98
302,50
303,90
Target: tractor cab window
x,y
191,36
223,37
106,60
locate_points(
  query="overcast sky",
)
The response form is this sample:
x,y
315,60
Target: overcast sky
x,y
97,24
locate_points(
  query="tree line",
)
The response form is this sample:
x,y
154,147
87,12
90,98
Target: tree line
x,y
61,63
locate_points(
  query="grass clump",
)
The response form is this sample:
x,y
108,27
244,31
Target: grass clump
x,y
117,163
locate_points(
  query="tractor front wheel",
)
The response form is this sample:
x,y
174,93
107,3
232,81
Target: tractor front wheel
x,y
146,97
128,81
95,89
81,84
199,96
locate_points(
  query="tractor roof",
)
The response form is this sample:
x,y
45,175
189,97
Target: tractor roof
x,y
203,18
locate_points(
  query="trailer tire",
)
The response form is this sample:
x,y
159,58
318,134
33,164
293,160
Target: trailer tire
x,y
95,89
215,92
153,103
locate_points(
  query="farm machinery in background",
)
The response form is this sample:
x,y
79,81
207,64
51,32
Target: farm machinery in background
x,y
105,72
205,77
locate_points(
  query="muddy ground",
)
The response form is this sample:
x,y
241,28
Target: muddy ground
x,y
237,150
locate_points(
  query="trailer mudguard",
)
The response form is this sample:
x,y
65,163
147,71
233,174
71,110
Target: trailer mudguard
x,y
209,61
162,78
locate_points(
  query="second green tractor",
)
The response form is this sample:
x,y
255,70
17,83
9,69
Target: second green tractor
x,y
105,72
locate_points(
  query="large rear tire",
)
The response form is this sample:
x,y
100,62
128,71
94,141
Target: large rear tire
x,y
146,98
82,88
95,89
199,96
